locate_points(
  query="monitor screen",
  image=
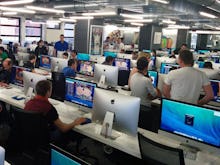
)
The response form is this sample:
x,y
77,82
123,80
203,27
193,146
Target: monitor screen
x,y
167,67
215,58
113,54
146,51
203,51
122,64
191,121
60,157
45,61
83,57
86,68
154,76
17,75
80,92
216,89
200,64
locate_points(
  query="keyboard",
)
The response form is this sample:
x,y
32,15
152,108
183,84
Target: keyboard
x,y
54,102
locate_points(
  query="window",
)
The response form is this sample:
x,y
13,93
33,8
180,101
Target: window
x,y
69,34
9,29
33,31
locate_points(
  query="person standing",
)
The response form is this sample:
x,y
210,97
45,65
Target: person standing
x,y
61,45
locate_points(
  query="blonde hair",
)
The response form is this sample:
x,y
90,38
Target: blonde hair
x,y
143,54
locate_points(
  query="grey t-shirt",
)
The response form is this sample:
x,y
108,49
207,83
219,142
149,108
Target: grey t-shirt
x,y
186,84
141,86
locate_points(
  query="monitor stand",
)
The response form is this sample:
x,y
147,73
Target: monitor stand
x,y
56,68
101,83
106,130
29,94
189,151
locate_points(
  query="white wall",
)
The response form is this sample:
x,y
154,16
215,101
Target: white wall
x,y
53,35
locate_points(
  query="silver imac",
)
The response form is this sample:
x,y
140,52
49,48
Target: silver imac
x,y
57,64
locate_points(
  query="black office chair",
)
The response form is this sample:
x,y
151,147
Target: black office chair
x,y
58,86
123,76
158,154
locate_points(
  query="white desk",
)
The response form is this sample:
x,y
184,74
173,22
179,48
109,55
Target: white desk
x,y
125,143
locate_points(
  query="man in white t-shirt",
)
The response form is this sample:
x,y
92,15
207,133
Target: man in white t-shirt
x,y
185,84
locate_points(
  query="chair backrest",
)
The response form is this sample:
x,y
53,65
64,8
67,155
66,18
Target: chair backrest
x,y
58,86
32,129
159,153
123,76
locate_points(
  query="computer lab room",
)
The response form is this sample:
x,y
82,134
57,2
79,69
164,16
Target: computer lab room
x,y
109,82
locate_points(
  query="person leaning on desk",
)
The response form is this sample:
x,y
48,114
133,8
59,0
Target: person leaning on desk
x,y
41,104
5,72
185,84
30,64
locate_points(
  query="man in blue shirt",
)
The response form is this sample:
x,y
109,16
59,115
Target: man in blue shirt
x,y
70,70
61,45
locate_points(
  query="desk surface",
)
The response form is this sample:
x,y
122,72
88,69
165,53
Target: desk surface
x,y
125,143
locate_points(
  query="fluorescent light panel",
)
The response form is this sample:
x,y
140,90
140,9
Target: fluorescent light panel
x,y
67,20
9,13
178,27
137,24
77,5
81,17
20,10
207,14
161,1
7,3
168,22
137,21
45,9
132,16
99,14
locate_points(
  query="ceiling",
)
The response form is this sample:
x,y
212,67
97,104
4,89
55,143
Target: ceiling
x,y
183,12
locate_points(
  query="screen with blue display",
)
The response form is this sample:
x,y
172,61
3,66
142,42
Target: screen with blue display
x,y
203,51
86,68
165,68
154,76
83,57
216,89
122,64
113,54
215,59
17,75
146,51
200,64
191,121
80,92
45,61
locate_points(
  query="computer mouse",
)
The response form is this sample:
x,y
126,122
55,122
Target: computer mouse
x,y
88,120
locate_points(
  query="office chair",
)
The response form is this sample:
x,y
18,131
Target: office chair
x,y
58,86
158,154
123,76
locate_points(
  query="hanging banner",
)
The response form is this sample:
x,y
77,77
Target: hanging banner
x,y
96,38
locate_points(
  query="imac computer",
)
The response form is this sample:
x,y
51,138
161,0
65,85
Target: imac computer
x,y
106,75
45,62
216,90
31,79
97,58
159,60
80,92
58,86
154,76
194,126
123,55
17,75
86,68
113,54
83,57
167,67
200,64
125,109
122,63
22,58
215,58
57,64
59,156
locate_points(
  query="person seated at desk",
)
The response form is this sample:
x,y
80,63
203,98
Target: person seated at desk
x,y
208,65
73,54
70,70
5,72
3,54
108,60
41,104
185,84
65,55
141,86
134,55
31,63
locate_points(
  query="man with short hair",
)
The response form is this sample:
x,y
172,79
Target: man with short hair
x,y
61,45
31,63
185,84
70,70
108,60
5,72
73,54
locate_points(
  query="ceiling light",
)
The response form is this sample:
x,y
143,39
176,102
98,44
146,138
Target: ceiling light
x,y
81,17
207,14
9,13
45,9
76,5
162,1
133,29
132,16
67,20
137,24
136,20
178,27
205,32
20,10
99,14
218,1
7,3
53,21
168,22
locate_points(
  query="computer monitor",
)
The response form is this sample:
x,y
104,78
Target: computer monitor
x,y
123,55
17,75
86,68
97,58
113,54
203,51
122,64
59,156
45,62
146,51
110,73
58,86
154,76
80,92
216,90
57,64
30,80
83,57
125,109
190,124
167,67
215,58
22,56
200,64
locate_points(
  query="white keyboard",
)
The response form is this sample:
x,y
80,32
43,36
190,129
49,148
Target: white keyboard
x,y
54,102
